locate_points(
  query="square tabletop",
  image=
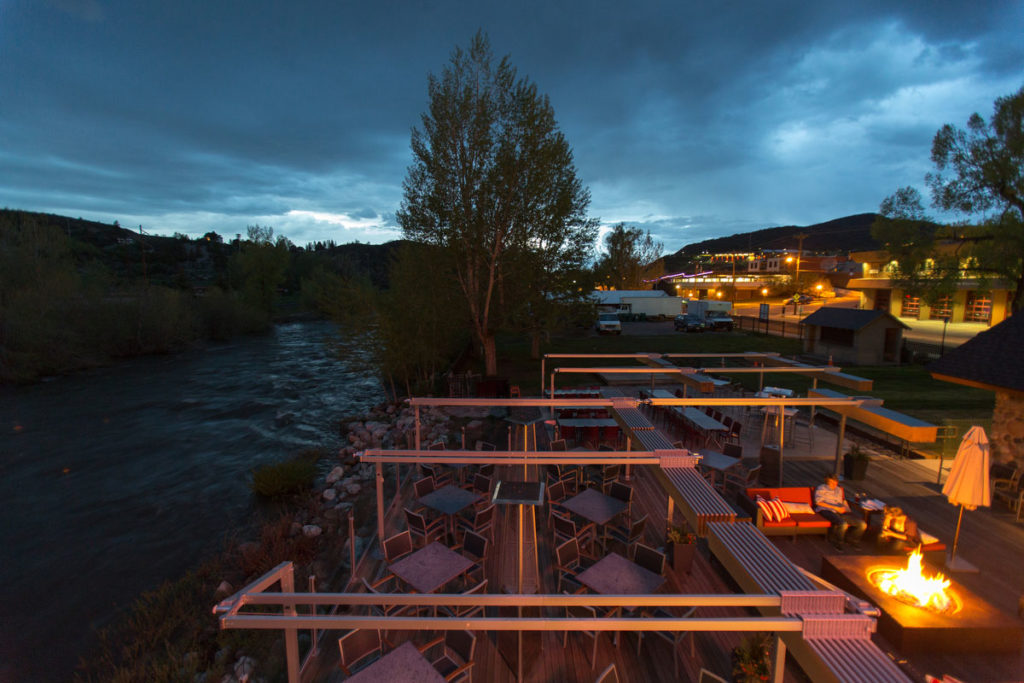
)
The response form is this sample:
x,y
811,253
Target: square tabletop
x,y
430,568
717,461
594,506
702,420
404,663
449,499
519,493
615,575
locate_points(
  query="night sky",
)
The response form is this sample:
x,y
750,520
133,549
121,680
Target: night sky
x,y
691,119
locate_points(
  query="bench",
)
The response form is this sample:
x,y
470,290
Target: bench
x,y
698,500
796,523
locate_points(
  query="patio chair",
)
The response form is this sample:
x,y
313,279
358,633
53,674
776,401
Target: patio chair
x,y
564,529
482,485
356,646
708,677
466,611
570,560
419,527
488,469
627,537
733,450
483,521
441,478
601,478
609,675
734,437
397,546
474,546
582,612
740,480
388,584
558,445
422,487
673,637
485,446
455,663
438,445
649,558
1005,488
623,492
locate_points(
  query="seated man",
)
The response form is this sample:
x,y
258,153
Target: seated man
x,y
830,503
899,531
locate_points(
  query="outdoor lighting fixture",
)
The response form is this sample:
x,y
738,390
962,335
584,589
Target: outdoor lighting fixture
x,y
719,294
789,259
764,292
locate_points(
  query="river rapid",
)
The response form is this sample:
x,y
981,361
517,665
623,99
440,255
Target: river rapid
x,y
115,479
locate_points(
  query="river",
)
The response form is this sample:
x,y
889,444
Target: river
x,y
115,479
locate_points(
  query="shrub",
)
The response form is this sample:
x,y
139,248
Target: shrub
x,y
282,479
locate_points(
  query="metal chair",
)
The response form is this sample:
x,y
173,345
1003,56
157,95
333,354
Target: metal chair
x,y
467,611
483,521
356,646
673,637
388,584
627,537
397,546
456,660
482,485
474,546
609,675
623,492
570,560
582,612
741,480
649,558
564,529
418,526
424,486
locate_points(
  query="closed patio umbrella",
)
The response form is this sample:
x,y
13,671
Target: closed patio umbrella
x,y
967,485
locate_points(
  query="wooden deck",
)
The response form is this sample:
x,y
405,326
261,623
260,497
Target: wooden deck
x,y
989,539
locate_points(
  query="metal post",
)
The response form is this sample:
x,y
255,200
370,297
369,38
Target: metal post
x,y
291,635
351,548
779,667
380,502
942,344
417,426
782,439
542,360
314,638
839,442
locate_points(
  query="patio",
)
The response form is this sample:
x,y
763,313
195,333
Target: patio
x,y
907,483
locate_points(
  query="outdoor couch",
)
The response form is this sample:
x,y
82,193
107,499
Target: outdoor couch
x,y
795,522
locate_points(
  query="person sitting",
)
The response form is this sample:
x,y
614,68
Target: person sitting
x,y
830,503
899,532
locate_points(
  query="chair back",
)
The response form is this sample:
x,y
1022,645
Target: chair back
x,y
415,521
483,516
708,677
568,553
636,529
482,484
462,643
358,645
475,544
485,446
558,445
556,492
621,491
397,546
423,486
437,446
564,526
752,474
488,469
733,450
649,558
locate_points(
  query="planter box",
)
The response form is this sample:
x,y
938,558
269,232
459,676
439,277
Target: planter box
x,y
681,555
854,468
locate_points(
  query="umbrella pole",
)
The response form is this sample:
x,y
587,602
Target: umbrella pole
x,y
956,538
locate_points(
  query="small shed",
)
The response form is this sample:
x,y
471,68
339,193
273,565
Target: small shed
x,y
994,360
852,335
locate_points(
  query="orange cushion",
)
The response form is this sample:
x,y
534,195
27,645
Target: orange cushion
x,y
810,521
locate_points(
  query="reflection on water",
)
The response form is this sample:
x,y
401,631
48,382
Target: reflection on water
x,y
113,480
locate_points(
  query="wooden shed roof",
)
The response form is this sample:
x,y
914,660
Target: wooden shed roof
x,y
994,359
847,318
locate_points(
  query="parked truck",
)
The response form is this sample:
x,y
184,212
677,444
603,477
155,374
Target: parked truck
x,y
717,314
658,307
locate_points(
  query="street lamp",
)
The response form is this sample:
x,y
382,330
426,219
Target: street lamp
x,y
942,344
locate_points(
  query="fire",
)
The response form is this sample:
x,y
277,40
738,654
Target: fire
x,y
910,585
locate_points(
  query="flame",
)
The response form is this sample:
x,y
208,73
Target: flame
x,y
910,585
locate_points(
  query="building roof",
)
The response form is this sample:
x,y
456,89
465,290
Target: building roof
x,y
847,318
614,296
992,359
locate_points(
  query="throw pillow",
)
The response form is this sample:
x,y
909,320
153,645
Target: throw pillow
x,y
798,508
778,509
767,511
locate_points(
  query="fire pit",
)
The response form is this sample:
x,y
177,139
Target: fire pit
x,y
961,621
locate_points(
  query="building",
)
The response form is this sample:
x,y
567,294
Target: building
x,y
850,335
974,301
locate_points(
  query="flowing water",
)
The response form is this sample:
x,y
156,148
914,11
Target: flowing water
x,y
114,480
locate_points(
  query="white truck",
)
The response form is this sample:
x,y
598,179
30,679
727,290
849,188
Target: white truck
x,y
663,307
715,313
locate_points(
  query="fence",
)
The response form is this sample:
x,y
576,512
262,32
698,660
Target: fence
x,y
777,327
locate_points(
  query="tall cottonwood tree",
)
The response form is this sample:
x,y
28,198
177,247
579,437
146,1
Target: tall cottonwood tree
x,y
979,174
493,183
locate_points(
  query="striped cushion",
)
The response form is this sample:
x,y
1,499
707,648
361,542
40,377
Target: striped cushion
x,y
779,511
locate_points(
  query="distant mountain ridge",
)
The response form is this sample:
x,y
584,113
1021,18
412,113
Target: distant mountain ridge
x,y
850,233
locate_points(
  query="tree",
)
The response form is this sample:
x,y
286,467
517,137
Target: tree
x,y
261,265
493,183
981,170
630,257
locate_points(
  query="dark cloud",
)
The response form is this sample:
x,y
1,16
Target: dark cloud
x,y
692,118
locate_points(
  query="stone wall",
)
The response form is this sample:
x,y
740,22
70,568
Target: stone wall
x,y
1007,437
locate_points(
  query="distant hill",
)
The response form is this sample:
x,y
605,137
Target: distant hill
x,y
182,261
851,233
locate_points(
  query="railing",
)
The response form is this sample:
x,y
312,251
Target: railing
x,y
776,327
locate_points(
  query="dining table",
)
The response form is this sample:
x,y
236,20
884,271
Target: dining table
x,y
431,567
613,574
717,463
404,663
595,507
449,500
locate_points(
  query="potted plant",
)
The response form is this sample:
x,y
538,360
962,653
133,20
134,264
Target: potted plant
x,y
855,463
683,545
752,659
